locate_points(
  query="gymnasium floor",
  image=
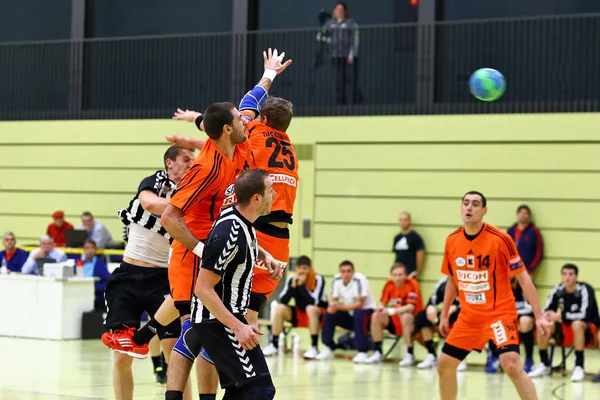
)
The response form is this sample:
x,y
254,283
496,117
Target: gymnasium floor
x,y
50,370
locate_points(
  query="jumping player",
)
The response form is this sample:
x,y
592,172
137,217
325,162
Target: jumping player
x,y
480,259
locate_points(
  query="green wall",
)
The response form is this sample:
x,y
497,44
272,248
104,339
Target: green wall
x,y
357,174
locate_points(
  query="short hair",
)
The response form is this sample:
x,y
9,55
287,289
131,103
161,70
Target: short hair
x,y
397,265
483,199
304,260
347,262
407,214
249,183
571,267
172,153
279,113
8,233
46,237
87,214
524,207
90,241
215,117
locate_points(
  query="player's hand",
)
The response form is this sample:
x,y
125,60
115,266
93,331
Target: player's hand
x,y
444,325
185,142
350,59
544,326
274,267
187,115
247,336
332,308
273,60
431,313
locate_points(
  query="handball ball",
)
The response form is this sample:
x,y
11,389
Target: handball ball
x,y
487,84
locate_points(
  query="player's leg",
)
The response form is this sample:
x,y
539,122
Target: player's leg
x,y
158,369
281,313
580,338
182,358
208,379
314,315
527,330
339,318
493,358
166,314
361,320
544,368
424,326
379,321
407,320
511,365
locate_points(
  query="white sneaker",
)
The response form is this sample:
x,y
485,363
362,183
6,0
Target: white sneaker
x,y
429,362
270,350
407,361
578,375
540,371
310,353
325,354
374,358
360,358
462,366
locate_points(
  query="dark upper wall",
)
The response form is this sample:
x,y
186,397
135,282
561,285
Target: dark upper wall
x,y
114,18
474,9
27,20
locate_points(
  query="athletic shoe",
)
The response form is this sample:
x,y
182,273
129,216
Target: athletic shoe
x,y
374,358
596,378
528,366
429,362
161,375
492,365
578,375
311,353
407,361
540,371
270,350
121,341
325,354
462,366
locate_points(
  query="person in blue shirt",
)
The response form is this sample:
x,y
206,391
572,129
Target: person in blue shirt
x,y
12,257
528,239
94,266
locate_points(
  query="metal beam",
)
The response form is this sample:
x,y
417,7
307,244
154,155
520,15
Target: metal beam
x,y
239,48
78,14
426,53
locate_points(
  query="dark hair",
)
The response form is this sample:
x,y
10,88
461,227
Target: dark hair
x,y
343,4
347,262
304,260
249,183
216,116
172,153
397,265
279,113
524,207
87,214
572,267
483,199
90,241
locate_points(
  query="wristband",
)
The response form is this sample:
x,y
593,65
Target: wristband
x,y
198,249
270,74
198,121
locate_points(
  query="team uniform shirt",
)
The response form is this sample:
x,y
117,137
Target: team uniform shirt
x,y
302,295
357,287
439,292
409,293
523,306
147,239
580,305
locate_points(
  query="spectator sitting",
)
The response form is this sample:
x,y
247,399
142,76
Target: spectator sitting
x,y
350,307
400,302
94,266
307,288
56,230
47,250
96,231
12,257
528,239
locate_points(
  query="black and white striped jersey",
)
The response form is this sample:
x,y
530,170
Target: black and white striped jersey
x,y
438,294
523,306
158,183
579,305
302,296
230,251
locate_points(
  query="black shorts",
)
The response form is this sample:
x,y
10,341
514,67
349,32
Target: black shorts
x,y
236,367
256,301
130,291
421,320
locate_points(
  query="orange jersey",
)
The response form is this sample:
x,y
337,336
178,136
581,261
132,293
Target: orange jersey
x,y
208,186
409,293
481,269
273,152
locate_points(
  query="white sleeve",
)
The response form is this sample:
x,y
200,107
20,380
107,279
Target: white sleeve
x,y
363,286
335,288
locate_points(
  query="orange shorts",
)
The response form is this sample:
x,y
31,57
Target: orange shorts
x,y
183,269
300,318
279,248
565,337
504,331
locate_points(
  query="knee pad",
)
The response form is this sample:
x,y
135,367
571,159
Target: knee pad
x,y
205,356
262,389
188,344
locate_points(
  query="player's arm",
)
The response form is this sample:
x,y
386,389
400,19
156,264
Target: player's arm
x,y
407,308
172,221
357,305
152,203
274,266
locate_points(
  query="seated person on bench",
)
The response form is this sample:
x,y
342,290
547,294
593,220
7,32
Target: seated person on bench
x,y
427,322
400,302
576,323
307,288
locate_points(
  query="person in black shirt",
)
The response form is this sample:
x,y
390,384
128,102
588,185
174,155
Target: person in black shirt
x,y
526,323
409,247
573,308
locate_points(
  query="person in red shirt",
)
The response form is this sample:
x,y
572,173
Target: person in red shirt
x,y
56,230
400,301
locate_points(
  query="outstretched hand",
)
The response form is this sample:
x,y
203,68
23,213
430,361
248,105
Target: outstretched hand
x,y
273,61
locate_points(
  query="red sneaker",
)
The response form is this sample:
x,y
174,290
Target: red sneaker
x,y
122,342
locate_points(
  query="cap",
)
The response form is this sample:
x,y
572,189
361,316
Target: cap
x,y
58,214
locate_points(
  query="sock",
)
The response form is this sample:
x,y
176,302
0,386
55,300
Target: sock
x,y
211,396
493,349
579,358
528,342
410,350
173,395
143,335
544,357
157,362
275,341
314,340
430,344
377,346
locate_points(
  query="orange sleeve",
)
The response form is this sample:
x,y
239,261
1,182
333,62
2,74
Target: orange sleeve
x,y
446,268
412,297
200,181
248,115
385,294
513,260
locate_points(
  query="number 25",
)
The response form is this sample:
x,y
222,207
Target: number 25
x,y
288,155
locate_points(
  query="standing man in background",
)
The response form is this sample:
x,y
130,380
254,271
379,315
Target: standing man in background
x,y
528,239
409,247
